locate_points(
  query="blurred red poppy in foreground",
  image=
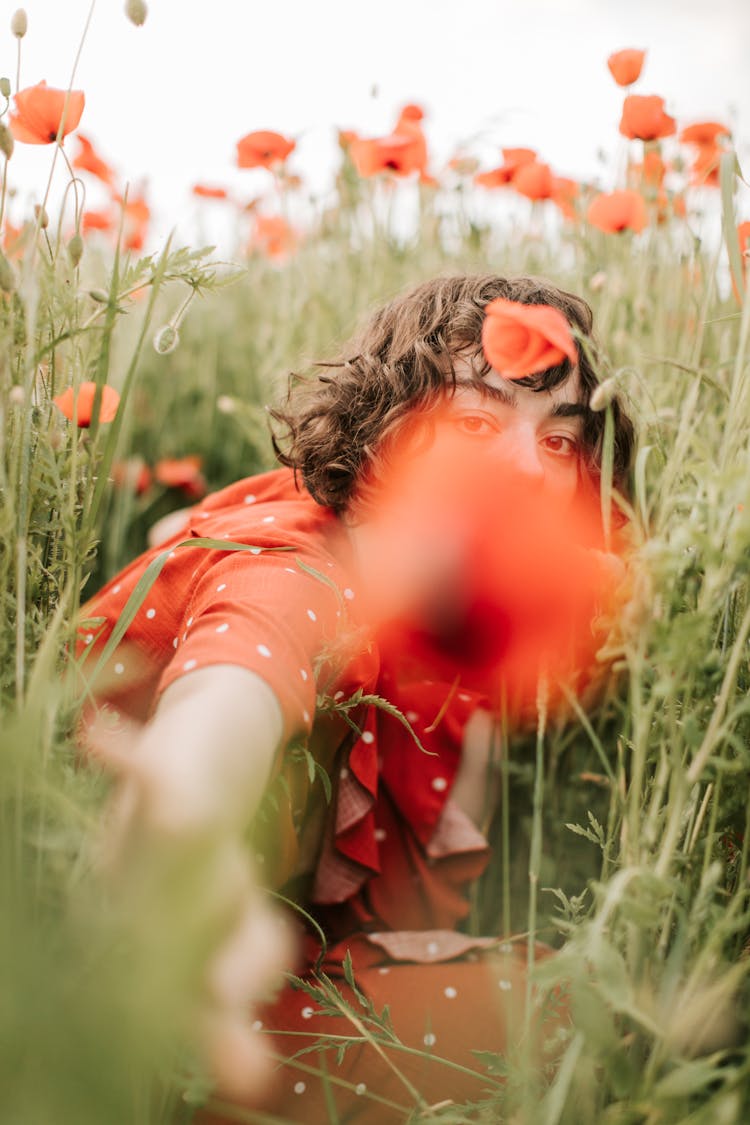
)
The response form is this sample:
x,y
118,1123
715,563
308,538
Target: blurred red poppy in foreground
x,y
497,581
644,119
88,160
39,112
78,406
520,340
625,66
183,473
618,211
263,149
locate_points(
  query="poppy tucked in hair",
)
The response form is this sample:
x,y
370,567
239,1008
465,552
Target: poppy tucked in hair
x,y
41,109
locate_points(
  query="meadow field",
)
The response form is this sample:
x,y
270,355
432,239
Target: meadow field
x,y
133,381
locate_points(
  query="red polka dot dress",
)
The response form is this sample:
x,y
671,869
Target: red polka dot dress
x,y
369,842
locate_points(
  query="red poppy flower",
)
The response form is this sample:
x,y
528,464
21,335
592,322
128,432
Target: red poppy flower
x,y
625,66
98,220
520,340
205,191
495,178
704,133
743,236
39,111
396,153
618,211
136,221
408,125
410,113
78,407
706,166
183,473
88,160
274,237
513,159
534,180
263,149
133,475
565,193
644,119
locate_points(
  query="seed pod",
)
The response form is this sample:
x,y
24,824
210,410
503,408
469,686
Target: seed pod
x,y
166,340
75,249
5,87
19,23
7,275
603,395
6,141
99,296
136,11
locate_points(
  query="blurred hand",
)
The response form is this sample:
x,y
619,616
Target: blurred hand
x,y
184,893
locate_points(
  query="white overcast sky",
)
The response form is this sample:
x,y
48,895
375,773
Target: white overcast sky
x,y
167,102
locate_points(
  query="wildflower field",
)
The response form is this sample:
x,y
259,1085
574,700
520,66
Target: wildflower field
x,y
133,381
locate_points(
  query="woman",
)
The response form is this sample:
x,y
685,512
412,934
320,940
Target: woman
x,y
341,635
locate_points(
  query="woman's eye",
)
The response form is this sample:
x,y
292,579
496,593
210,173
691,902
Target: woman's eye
x,y
561,445
474,424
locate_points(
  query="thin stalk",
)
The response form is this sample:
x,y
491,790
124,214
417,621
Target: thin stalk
x,y
535,857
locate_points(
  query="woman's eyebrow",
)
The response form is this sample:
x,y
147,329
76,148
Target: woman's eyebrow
x,y
569,410
498,394
507,398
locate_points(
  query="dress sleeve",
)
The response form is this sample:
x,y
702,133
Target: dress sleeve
x,y
267,614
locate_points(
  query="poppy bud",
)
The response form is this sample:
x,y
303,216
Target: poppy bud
x,y
602,395
17,395
597,281
19,23
166,340
6,141
136,11
5,87
99,296
7,275
41,216
75,249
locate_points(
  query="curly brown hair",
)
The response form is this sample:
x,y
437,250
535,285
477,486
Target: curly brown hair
x,y
402,360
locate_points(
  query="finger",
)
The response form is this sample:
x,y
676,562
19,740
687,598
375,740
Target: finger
x,y
237,1057
250,963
